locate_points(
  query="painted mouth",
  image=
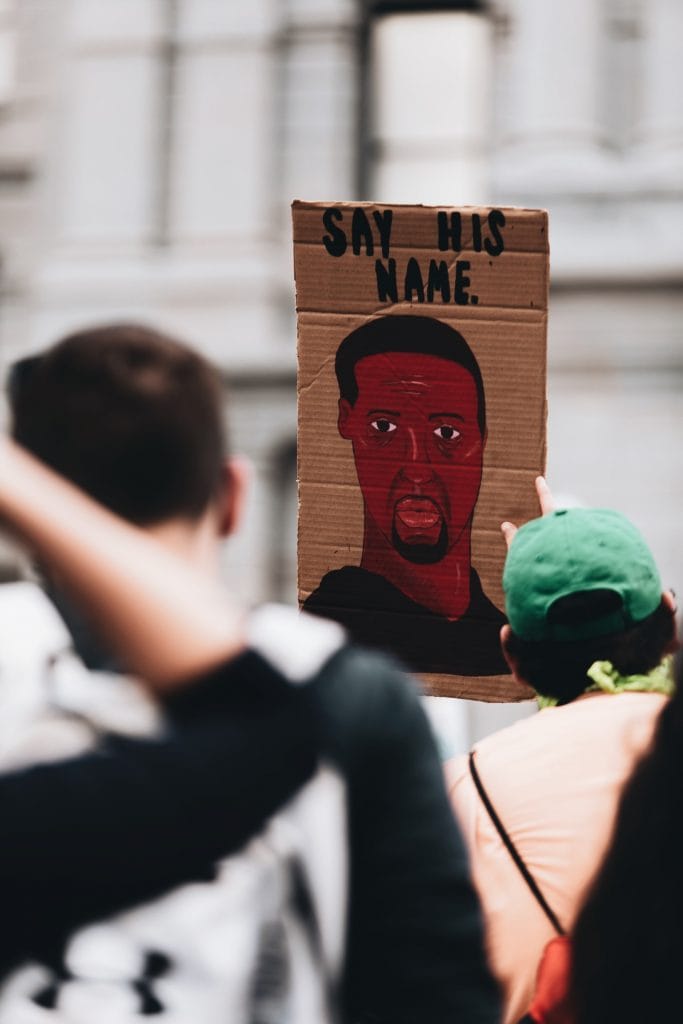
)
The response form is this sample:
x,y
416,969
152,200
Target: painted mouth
x,y
416,513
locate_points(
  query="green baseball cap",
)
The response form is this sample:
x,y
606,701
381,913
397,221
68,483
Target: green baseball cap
x,y
572,551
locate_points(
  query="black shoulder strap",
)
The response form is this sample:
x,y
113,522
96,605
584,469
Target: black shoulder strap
x,y
512,849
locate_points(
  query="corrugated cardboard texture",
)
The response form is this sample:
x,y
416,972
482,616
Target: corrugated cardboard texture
x,y
498,304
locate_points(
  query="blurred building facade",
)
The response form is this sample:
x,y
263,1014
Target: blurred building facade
x,y
149,150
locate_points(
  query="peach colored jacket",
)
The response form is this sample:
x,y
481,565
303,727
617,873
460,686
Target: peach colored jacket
x,y
555,780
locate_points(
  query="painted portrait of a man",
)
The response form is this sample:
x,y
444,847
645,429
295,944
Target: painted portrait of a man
x,y
413,408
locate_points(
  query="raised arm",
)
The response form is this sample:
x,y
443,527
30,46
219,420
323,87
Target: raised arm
x,y
85,837
165,621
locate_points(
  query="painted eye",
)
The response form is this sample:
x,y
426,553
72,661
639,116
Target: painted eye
x,y
383,426
447,433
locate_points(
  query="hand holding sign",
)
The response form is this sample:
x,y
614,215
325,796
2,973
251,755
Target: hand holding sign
x,y
545,500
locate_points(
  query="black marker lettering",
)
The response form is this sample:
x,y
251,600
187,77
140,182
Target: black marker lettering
x,y
335,242
361,231
452,234
437,281
460,296
413,281
383,221
495,245
387,290
476,232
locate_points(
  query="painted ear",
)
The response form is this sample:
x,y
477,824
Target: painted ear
x,y
512,661
233,492
343,418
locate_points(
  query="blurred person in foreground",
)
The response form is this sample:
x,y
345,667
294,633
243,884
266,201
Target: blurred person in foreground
x,y
356,900
589,629
85,835
627,940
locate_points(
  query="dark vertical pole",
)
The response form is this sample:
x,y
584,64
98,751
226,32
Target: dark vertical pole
x,y
167,86
363,101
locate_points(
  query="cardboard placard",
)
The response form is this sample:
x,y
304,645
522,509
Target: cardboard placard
x,y
422,425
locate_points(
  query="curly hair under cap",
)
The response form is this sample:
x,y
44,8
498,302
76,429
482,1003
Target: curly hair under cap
x,y
558,669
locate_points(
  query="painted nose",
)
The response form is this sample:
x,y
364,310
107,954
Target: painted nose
x,y
417,468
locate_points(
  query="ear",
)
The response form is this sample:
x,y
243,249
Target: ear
x,y
669,599
505,633
235,478
345,409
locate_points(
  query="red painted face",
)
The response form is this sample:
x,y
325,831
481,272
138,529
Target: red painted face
x,y
418,449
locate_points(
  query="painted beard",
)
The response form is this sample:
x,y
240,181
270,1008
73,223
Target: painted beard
x,y
420,553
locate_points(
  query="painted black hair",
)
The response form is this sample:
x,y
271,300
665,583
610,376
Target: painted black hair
x,y
423,334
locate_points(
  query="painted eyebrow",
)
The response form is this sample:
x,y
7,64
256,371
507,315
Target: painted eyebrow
x,y
447,415
382,412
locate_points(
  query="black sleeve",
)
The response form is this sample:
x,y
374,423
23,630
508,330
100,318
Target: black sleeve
x,y
84,837
415,945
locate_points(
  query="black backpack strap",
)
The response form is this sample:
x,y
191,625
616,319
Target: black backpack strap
x,y
512,849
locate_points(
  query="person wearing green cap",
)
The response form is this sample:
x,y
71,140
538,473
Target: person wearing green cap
x,y
590,630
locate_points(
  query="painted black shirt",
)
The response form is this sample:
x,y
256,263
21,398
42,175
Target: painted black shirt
x,y
378,614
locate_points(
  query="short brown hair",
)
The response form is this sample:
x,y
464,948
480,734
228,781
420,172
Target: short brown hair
x,y
130,415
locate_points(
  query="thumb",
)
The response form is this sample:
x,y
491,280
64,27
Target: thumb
x,y
509,530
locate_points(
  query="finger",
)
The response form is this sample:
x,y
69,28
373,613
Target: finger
x,y
545,496
509,530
